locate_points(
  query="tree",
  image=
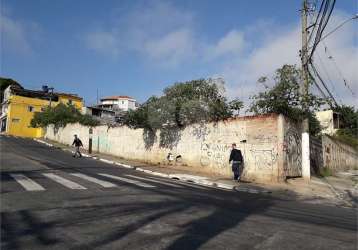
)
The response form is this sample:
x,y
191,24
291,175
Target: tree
x,y
183,104
348,120
348,127
285,98
60,116
4,83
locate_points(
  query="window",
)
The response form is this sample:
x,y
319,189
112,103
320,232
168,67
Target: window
x,y
122,102
69,102
336,120
43,109
30,108
15,120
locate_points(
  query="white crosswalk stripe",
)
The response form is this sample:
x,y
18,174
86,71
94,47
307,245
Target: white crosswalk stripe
x,y
102,183
27,183
138,183
63,181
156,181
187,184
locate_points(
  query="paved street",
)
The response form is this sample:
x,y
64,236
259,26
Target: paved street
x,y
50,200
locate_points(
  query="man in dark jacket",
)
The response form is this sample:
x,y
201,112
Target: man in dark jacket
x,y
77,143
237,161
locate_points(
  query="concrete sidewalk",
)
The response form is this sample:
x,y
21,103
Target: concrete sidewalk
x,y
340,190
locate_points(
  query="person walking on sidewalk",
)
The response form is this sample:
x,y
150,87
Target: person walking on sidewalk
x,y
77,143
237,161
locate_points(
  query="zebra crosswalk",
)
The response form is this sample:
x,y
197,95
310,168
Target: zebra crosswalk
x,y
81,181
27,183
65,182
138,183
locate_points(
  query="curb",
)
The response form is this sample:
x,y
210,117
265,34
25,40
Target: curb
x,y
338,194
251,190
200,180
43,142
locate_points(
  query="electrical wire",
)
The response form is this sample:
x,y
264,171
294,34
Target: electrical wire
x,y
323,83
336,28
323,21
316,84
330,57
328,75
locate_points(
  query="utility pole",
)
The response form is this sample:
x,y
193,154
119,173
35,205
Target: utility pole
x,y
306,168
51,94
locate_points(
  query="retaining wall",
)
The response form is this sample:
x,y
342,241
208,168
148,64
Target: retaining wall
x,y
338,156
270,144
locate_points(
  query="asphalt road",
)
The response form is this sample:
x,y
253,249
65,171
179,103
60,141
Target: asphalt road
x,y
50,200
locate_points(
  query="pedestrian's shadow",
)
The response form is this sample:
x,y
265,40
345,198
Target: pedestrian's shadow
x,y
200,231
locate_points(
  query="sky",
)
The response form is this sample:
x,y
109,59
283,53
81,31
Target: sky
x,y
138,48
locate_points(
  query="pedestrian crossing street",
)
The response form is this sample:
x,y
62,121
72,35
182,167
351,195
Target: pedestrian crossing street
x,y
81,181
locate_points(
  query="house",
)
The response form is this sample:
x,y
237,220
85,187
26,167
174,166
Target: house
x,y
118,103
104,116
329,121
19,106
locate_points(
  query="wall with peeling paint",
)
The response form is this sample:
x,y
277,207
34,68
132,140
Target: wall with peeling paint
x,y
338,156
270,145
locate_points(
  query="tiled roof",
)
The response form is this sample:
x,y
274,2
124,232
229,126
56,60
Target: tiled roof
x,y
117,97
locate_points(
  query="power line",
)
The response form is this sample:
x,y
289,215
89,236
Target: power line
x,y
328,76
323,16
335,29
323,83
337,68
318,87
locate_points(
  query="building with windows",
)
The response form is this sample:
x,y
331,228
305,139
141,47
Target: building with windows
x,y
121,103
19,106
329,121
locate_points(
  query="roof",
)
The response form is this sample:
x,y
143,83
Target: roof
x,y
40,94
68,95
115,97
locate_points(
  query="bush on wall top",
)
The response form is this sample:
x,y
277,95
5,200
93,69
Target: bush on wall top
x,y
60,116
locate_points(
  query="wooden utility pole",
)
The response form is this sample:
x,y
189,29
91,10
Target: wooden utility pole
x,y
304,51
306,169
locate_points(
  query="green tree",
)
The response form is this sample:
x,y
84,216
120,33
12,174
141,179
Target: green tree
x,y
348,120
61,115
183,104
285,98
348,131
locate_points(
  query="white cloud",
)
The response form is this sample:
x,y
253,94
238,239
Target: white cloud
x,y
104,42
241,72
158,31
14,37
231,44
173,48
165,35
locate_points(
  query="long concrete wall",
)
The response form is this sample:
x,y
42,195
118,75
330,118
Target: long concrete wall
x,y
338,156
270,145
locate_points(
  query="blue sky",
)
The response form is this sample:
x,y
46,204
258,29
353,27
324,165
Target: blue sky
x,y
137,48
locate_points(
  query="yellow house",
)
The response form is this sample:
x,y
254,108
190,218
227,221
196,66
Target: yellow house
x,y
19,106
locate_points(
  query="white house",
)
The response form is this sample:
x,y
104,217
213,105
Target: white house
x,y
123,103
329,121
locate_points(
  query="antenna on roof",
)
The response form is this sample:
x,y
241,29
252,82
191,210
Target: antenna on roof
x,y
45,88
97,97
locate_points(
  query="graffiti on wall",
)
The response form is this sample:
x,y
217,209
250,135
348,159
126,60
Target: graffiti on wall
x,y
214,154
264,138
264,159
292,147
201,132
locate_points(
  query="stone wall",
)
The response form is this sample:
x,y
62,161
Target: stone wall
x,y
270,145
